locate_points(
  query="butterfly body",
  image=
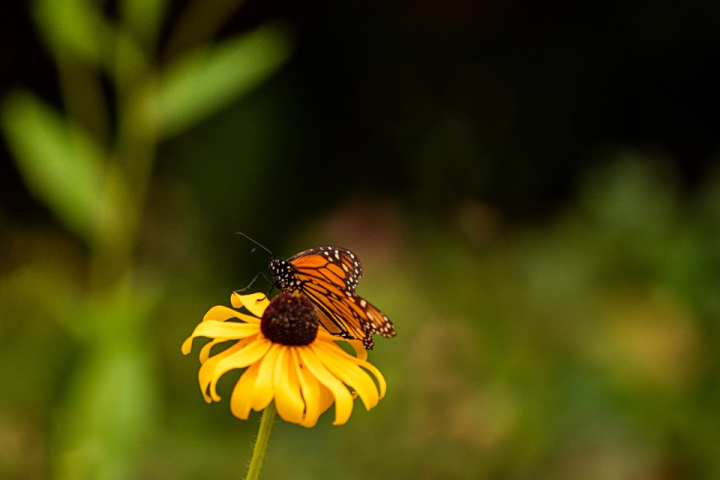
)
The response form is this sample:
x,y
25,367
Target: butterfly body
x,y
328,276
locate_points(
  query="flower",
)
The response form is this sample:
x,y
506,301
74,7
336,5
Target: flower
x,y
287,359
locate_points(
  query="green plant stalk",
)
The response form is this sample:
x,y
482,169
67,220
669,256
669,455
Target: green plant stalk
x,y
266,425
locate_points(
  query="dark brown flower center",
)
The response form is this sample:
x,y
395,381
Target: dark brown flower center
x,y
290,320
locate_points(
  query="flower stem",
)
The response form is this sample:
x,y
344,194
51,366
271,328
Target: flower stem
x,y
266,425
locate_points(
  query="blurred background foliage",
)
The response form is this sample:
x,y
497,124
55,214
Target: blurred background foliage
x,y
532,187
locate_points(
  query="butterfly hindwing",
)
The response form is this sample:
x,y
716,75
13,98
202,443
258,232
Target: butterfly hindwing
x,y
338,320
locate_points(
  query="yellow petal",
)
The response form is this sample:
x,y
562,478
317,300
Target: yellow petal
x,y
310,389
221,331
289,402
235,300
187,345
263,388
207,370
369,366
205,350
222,313
359,348
326,399
242,394
325,335
256,303
240,357
227,330
335,360
343,399
357,345
244,357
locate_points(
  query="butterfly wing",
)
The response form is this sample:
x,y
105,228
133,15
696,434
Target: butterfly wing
x,y
328,276
335,265
348,315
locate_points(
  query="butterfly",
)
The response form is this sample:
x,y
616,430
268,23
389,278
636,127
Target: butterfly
x,y
328,276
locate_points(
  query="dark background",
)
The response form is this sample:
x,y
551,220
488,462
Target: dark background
x,y
533,189
380,96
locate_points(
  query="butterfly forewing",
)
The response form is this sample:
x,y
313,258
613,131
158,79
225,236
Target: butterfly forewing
x,y
335,264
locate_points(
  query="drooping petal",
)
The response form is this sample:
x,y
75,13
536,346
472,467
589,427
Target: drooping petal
x,y
263,388
379,376
288,400
222,313
369,366
241,357
359,348
343,399
207,370
256,303
326,399
187,346
357,345
205,350
335,360
310,389
242,394
244,357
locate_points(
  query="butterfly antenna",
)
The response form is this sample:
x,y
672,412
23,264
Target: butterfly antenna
x,y
256,243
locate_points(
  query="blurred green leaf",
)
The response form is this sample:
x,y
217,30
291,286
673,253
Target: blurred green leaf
x,y
112,407
144,17
203,82
113,396
61,164
198,24
74,26
130,61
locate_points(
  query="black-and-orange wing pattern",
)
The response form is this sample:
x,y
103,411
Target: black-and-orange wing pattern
x,y
328,276
337,265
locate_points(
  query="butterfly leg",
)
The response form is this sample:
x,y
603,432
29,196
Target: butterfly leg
x,y
253,281
270,291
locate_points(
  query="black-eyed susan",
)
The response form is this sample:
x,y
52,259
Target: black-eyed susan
x,y
286,358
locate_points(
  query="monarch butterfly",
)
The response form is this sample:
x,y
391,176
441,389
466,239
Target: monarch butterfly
x,y
328,276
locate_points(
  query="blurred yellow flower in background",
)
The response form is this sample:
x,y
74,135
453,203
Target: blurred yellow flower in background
x,y
287,359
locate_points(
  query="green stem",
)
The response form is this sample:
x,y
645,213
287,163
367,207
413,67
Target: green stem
x,y
266,425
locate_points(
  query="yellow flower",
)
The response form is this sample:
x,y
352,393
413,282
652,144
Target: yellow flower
x,y
287,358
